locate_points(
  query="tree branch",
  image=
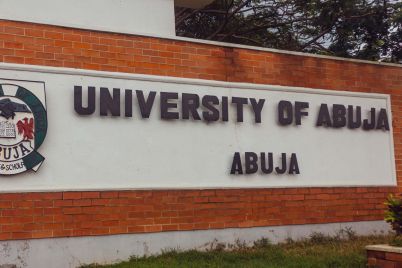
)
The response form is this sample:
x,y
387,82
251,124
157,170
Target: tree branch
x,y
180,20
316,38
227,18
248,39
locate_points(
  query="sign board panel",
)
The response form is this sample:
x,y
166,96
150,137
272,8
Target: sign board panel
x,y
119,131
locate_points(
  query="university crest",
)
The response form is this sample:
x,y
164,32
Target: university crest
x,y
23,126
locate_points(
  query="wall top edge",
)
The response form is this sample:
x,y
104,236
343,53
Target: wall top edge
x,y
228,45
225,44
384,248
287,52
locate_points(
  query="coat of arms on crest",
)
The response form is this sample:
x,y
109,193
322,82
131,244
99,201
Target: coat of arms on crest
x,y
23,126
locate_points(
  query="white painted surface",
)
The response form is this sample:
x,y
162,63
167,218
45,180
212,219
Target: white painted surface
x,y
72,252
132,153
148,17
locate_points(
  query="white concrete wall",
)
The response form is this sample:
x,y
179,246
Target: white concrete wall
x,y
148,17
72,252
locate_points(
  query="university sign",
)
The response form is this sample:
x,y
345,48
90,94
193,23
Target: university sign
x,y
114,131
212,108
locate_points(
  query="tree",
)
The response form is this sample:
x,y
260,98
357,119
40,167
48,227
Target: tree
x,y
362,29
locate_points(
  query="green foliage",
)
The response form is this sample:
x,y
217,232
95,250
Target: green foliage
x,y
344,234
363,29
396,241
336,251
262,243
393,215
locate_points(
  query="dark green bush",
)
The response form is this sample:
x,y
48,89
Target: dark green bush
x,y
393,215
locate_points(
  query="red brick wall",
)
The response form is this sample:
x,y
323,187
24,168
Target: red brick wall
x,y
39,215
383,259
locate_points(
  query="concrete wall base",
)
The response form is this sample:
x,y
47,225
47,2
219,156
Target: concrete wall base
x,y
76,251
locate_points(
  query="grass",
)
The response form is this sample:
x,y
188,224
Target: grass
x,y
342,250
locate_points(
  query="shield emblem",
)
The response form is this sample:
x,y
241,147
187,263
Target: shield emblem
x,y
23,125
